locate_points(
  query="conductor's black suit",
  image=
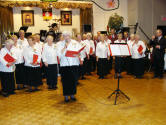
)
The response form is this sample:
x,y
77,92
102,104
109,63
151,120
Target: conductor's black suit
x,y
158,55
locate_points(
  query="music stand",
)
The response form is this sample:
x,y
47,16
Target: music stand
x,y
119,49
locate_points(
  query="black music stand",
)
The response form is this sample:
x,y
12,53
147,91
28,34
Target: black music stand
x,y
114,52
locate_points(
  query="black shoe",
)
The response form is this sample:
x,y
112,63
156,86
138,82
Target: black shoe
x,y
89,74
5,94
12,93
49,87
160,77
82,78
66,100
55,87
120,76
36,89
100,77
155,76
18,88
73,99
29,90
138,77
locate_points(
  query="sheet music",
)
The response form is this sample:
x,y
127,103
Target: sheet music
x,y
115,50
119,50
124,50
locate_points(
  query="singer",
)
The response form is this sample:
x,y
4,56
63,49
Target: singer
x,y
69,65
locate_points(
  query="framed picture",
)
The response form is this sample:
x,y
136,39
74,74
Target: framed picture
x,y
66,17
27,17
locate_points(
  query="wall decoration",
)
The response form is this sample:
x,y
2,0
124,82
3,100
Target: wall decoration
x,y
47,14
108,5
27,17
49,0
45,5
66,17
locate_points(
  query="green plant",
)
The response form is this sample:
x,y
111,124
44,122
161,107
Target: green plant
x,y
115,21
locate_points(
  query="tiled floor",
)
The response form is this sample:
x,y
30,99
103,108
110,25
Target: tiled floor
x,y
146,107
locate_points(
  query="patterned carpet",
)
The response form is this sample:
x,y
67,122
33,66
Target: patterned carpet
x,y
46,107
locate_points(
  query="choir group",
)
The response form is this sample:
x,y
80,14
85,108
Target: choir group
x,y
24,60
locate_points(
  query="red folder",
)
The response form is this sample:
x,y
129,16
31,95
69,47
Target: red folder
x,y
140,48
35,58
91,50
9,58
71,53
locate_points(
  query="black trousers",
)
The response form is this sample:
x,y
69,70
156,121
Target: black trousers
x,y
94,63
51,75
88,65
110,61
33,76
102,67
119,64
7,81
43,70
158,63
138,67
69,77
20,74
82,70
129,65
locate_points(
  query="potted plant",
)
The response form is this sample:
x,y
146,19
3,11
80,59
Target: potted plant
x,y
115,22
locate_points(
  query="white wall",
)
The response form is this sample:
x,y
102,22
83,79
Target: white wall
x,y
101,17
148,14
38,19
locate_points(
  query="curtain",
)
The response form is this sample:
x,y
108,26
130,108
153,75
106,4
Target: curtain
x,y
86,17
6,20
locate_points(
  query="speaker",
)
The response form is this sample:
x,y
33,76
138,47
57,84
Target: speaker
x,y
103,32
126,29
87,28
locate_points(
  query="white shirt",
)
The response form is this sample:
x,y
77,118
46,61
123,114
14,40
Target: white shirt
x,y
40,46
108,41
28,53
135,53
102,50
130,44
24,43
83,52
89,44
17,51
49,54
159,38
68,61
3,62
117,41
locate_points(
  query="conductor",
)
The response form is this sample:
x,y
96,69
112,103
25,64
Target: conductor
x,y
159,44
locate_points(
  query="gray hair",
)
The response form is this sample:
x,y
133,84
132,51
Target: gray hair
x,y
89,34
9,42
66,33
132,35
138,36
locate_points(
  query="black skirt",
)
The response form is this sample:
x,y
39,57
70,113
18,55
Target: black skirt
x,y
7,81
138,66
20,74
129,65
51,74
33,76
69,77
102,67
